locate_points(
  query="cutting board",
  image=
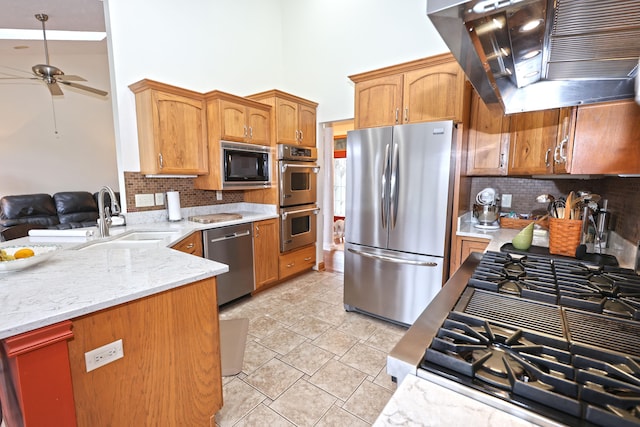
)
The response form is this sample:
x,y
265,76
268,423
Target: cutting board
x,y
219,217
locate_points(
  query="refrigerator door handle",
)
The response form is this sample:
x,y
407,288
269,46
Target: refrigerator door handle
x,y
393,196
383,192
393,259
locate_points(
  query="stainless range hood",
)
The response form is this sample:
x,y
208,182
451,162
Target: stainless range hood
x,y
527,55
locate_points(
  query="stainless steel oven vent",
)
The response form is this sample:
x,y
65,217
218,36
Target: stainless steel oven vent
x,y
526,55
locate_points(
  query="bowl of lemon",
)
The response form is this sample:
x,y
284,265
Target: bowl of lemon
x,y
14,258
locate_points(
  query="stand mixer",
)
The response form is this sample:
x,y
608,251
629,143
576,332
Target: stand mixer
x,y
487,210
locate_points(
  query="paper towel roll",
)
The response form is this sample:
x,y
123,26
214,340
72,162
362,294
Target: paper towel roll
x,y
173,206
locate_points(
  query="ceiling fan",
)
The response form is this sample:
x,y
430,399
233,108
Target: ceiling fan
x,y
53,75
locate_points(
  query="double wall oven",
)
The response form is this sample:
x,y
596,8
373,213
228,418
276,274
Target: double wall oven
x,y
297,177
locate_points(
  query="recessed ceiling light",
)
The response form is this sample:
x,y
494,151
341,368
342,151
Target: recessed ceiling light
x,y
531,25
15,34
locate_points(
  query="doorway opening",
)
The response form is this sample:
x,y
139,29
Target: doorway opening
x,y
335,178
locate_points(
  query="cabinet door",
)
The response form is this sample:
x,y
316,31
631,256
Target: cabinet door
x,y
563,150
433,93
488,148
607,139
234,121
179,134
192,244
378,102
307,125
531,142
287,121
259,127
266,251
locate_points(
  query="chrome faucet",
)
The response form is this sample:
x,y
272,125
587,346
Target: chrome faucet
x,y
104,214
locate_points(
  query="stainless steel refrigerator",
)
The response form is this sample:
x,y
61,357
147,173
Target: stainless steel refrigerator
x,y
397,227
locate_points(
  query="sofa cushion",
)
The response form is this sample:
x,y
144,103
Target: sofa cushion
x,y
28,209
76,207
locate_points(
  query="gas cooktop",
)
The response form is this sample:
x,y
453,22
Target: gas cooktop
x,y
559,338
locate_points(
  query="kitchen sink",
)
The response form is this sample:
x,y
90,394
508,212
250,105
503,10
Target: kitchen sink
x,y
130,244
133,239
146,235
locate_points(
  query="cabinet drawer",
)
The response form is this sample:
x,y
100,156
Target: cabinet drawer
x,y
191,244
296,261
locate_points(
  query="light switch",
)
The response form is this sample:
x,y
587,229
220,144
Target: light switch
x,y
144,200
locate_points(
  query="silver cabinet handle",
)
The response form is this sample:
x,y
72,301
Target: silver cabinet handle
x,y
301,136
393,259
245,130
546,157
397,114
160,160
501,160
308,258
250,132
190,246
406,114
297,135
563,144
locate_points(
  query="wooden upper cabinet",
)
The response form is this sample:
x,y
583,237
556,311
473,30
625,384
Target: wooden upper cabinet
x,y
428,89
607,139
231,118
242,123
532,139
294,118
488,143
172,132
378,102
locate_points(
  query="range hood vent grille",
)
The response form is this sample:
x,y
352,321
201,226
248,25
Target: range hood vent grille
x,y
587,50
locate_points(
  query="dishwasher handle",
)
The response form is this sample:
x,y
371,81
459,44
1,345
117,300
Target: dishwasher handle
x,y
230,236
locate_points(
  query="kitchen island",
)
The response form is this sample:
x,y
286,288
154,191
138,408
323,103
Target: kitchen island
x,y
160,302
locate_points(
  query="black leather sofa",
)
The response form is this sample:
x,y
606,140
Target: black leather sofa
x,y
63,210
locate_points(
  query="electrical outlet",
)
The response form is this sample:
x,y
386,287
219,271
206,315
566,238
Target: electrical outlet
x,y
506,201
159,198
103,355
144,200
218,195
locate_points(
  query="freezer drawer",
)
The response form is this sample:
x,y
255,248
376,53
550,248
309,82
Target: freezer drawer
x,y
393,285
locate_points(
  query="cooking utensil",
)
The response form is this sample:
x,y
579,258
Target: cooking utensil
x,y
569,205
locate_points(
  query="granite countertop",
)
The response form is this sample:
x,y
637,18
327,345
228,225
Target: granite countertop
x,y
419,402
76,282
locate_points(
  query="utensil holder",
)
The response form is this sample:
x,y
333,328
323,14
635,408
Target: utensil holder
x,y
564,236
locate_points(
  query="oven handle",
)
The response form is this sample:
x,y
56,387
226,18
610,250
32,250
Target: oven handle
x,y
314,169
285,214
393,259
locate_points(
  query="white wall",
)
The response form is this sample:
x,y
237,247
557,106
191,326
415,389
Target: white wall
x,y
33,159
324,41
202,45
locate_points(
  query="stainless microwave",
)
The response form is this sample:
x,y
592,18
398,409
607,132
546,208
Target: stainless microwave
x,y
245,166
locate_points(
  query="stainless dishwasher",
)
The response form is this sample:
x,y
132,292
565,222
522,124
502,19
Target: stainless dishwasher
x,y
232,245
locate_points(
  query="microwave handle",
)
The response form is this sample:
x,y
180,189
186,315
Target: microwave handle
x,y
314,210
315,169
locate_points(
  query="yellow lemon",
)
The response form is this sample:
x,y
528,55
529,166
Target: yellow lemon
x,y
24,253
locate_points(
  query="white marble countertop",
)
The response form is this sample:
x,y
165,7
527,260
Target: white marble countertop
x,y
419,402
75,282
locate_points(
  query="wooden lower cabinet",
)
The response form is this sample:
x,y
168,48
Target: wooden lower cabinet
x,y
170,374
265,251
296,261
192,244
464,246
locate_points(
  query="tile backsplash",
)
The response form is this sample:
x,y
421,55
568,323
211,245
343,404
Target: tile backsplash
x,y
622,194
137,183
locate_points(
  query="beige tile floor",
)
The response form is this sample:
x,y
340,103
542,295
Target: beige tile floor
x,y
308,362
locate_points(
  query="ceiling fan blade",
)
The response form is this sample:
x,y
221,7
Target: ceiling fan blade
x,y
54,88
71,78
87,88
